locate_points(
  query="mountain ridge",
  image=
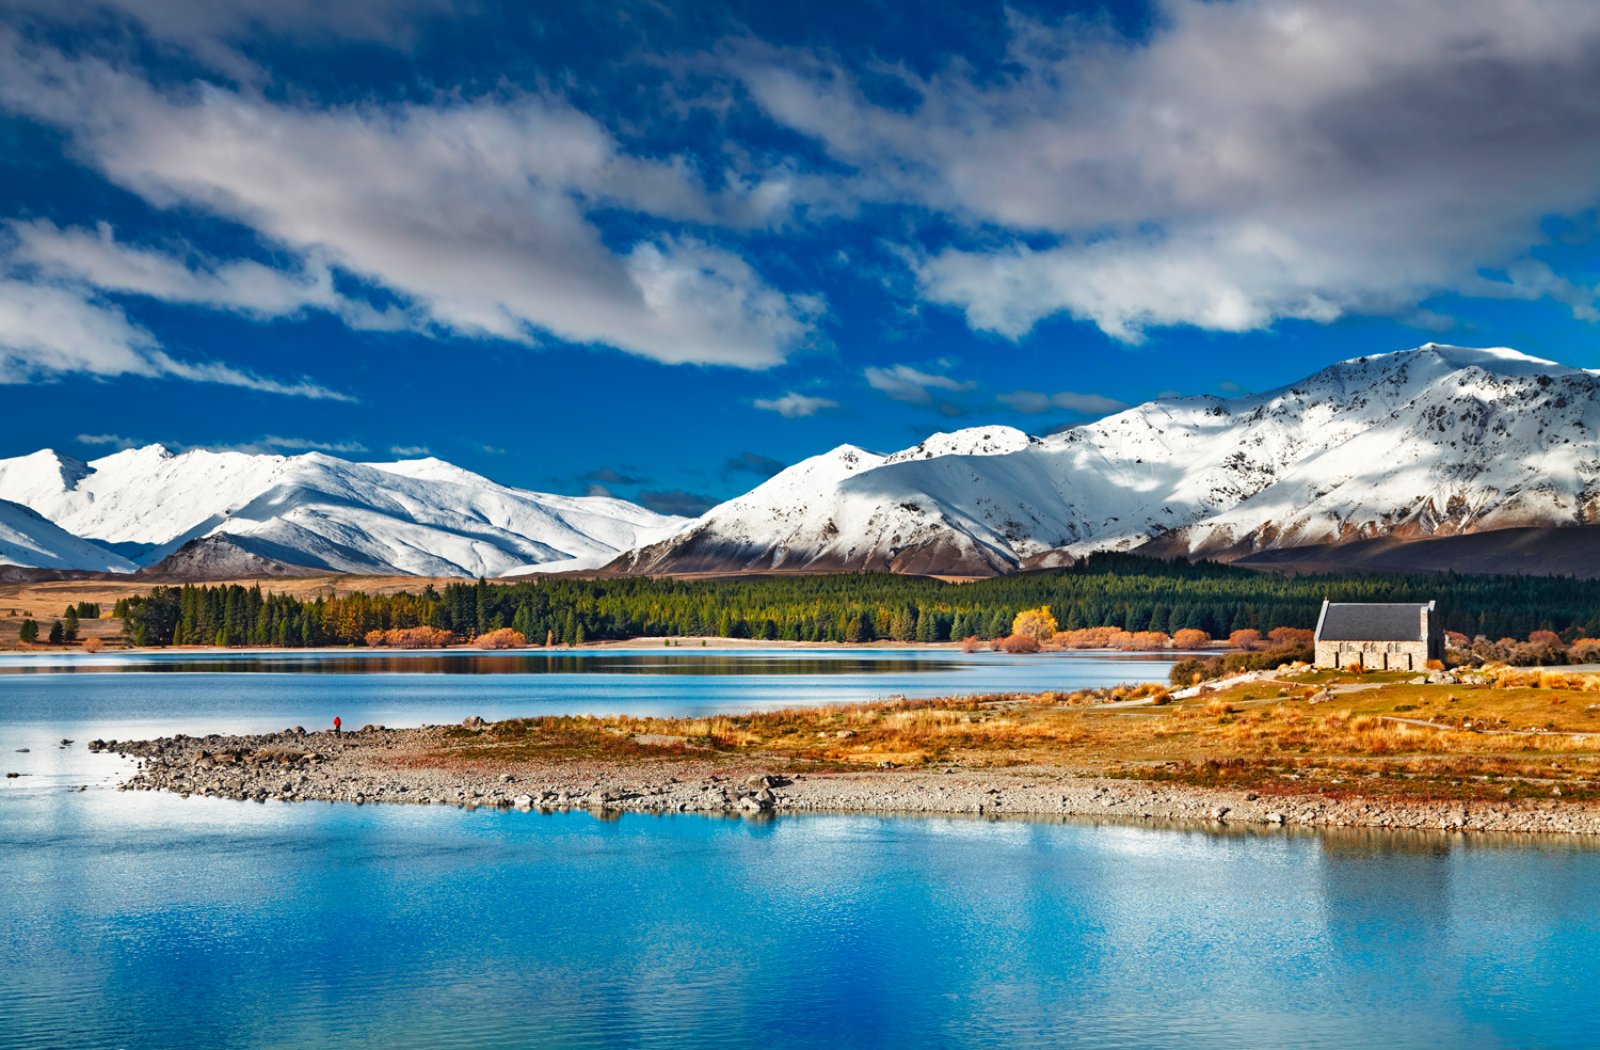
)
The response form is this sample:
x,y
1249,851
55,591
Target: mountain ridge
x,y
1404,447
315,511
1437,440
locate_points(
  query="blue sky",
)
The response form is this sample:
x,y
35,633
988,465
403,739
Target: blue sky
x,y
663,249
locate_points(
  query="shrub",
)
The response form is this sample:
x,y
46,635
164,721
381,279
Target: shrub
x,y
501,638
970,644
1020,643
93,645
410,638
1192,672
1190,638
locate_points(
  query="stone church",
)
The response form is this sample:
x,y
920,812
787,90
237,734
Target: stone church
x,y
1392,636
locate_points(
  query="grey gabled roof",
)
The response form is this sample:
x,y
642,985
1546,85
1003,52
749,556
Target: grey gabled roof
x,y
1389,622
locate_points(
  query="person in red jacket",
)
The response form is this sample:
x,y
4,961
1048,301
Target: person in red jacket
x,y
336,725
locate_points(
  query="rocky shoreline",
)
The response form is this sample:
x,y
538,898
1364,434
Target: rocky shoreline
x,y
376,765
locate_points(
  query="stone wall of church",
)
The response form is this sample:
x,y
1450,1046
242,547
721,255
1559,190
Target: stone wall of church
x,y
1374,656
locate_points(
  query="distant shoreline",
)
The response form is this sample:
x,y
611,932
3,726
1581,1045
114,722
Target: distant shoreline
x,y
652,644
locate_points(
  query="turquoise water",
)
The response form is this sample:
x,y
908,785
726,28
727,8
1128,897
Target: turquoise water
x,y
148,920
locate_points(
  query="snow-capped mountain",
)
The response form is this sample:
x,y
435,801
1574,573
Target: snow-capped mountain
x,y
1434,442
421,517
1439,440
30,541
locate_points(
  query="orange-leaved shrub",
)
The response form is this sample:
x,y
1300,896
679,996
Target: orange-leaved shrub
x,y
409,638
1190,638
501,638
1019,643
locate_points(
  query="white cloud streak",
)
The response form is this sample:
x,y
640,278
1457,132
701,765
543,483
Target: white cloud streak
x,y
795,406
911,385
48,330
1033,402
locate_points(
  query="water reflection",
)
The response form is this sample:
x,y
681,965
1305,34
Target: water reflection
x,y
233,924
737,662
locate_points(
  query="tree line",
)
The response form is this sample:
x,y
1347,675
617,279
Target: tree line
x,y
1130,593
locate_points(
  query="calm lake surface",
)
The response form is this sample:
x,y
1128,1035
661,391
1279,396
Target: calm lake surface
x,y
146,920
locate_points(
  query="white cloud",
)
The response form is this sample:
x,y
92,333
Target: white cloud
x,y
48,330
115,440
275,444
97,259
908,384
795,406
209,30
475,212
1245,162
1032,402
409,451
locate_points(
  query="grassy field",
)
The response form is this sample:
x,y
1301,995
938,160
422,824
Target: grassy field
x,y
1377,735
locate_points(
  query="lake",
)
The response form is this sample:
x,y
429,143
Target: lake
x,y
147,920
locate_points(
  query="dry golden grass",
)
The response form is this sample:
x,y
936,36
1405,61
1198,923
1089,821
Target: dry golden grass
x,y
1395,738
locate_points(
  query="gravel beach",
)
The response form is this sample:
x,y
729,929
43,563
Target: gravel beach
x,y
378,765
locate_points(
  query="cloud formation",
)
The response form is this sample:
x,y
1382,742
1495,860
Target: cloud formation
x,y
912,385
795,406
1245,163
1032,402
752,463
48,330
675,501
477,213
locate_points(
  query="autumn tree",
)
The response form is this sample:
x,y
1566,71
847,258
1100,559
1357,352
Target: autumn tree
x,y
1248,638
1190,638
1290,637
1584,651
1038,624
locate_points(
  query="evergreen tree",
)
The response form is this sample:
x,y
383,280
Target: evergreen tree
x,y
29,632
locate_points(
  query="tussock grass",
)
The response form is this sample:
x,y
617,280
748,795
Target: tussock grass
x,y
1457,736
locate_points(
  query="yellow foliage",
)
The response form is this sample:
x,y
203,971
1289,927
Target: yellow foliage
x,y
1038,624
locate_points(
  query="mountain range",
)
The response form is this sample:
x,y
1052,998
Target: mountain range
x,y
1438,457
221,514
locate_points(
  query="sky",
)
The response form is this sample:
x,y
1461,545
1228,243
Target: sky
x,y
661,250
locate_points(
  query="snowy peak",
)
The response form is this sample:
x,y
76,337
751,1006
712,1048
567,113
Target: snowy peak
x,y
973,441
320,512
1433,440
